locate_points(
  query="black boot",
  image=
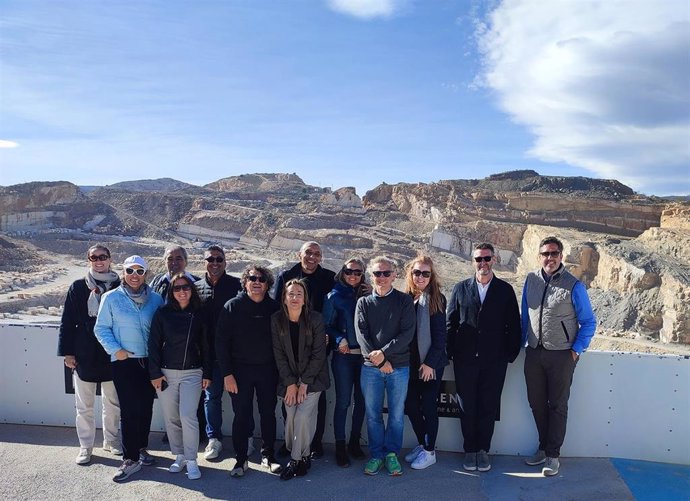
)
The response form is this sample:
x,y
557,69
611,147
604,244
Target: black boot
x,y
291,469
354,449
341,454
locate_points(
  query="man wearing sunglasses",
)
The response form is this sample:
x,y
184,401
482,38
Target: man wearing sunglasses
x,y
244,348
483,325
557,326
319,282
215,289
385,323
175,258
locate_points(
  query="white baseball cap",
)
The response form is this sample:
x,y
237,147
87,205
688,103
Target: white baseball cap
x,y
135,260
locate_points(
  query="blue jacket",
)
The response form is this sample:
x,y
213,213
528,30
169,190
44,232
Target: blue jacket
x,y
122,325
339,314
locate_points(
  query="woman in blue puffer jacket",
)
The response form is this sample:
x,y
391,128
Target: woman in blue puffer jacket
x,y
339,316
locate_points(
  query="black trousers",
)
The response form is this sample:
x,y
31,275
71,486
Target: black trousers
x,y
135,393
479,385
421,407
549,374
251,379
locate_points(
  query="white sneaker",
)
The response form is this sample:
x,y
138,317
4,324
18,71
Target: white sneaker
x,y
112,448
213,448
84,456
250,446
412,455
193,471
178,465
424,460
239,469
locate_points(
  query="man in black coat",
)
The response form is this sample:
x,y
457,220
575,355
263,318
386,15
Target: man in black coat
x,y
484,335
215,289
319,282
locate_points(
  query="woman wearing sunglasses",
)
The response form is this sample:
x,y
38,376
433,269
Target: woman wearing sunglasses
x,y
180,367
339,318
427,358
299,346
122,327
83,354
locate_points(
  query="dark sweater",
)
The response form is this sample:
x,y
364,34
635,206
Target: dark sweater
x,y
386,323
213,298
318,283
178,341
77,337
243,333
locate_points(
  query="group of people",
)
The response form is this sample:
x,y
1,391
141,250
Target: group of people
x,y
186,339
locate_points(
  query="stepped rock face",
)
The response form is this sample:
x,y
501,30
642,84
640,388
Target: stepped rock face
x,y
631,251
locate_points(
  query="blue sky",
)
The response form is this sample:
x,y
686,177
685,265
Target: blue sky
x,y
345,92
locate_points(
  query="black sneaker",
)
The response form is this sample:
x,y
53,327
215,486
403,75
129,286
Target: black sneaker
x,y
341,458
270,463
316,450
303,467
290,470
145,458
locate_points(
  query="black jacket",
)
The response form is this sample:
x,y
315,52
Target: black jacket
x,y
318,283
311,367
178,341
213,298
489,331
77,337
243,333
161,284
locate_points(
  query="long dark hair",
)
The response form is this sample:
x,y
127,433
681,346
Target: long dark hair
x,y
194,300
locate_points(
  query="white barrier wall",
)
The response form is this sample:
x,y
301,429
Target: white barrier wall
x,y
623,405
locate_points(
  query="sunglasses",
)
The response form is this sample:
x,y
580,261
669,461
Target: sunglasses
x,y
425,274
217,259
100,257
486,259
379,274
254,278
178,288
550,253
139,271
348,272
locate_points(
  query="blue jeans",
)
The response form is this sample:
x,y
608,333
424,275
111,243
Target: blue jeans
x,y
346,373
384,440
213,405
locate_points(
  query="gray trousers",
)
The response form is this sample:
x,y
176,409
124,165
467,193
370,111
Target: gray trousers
x,y
300,426
179,402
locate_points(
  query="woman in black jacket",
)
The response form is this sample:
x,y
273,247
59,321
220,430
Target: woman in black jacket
x,y
86,357
427,359
299,347
180,367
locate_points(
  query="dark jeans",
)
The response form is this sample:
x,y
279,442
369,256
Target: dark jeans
x,y
262,379
213,405
479,385
135,393
347,370
422,408
549,374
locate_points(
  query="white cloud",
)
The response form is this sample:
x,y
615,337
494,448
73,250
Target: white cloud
x,y
368,9
601,84
8,144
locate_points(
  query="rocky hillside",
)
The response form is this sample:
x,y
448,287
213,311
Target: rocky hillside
x,y
632,251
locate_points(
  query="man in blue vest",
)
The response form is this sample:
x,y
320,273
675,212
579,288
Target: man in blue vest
x,y
557,325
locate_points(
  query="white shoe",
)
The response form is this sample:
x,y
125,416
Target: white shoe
x,y
178,465
213,448
412,455
84,456
250,446
112,448
239,469
424,460
193,471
